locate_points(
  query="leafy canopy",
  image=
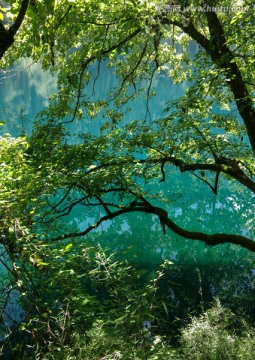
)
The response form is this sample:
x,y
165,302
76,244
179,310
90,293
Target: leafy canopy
x,y
208,131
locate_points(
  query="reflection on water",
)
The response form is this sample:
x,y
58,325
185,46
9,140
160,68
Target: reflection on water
x,y
25,91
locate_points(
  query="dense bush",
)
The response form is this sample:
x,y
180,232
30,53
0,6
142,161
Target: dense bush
x,y
217,334
93,306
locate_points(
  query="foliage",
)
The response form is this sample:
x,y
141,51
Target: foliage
x,y
217,334
207,131
100,308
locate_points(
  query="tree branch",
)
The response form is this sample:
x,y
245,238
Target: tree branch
x,y
222,165
209,239
7,36
19,20
90,60
222,56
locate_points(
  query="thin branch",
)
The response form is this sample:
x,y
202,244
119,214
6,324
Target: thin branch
x,y
114,22
207,143
205,181
62,212
113,47
89,60
53,207
149,91
107,210
64,16
131,73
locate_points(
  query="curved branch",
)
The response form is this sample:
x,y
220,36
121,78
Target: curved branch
x,y
189,29
209,239
222,165
213,188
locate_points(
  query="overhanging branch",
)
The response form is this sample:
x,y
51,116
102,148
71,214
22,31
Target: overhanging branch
x,y
209,239
222,165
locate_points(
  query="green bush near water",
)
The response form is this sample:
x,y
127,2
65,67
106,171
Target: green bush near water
x,y
208,337
102,311
217,334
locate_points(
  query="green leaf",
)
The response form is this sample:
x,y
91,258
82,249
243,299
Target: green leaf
x,y
68,247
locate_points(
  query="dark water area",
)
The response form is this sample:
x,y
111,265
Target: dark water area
x,y
198,272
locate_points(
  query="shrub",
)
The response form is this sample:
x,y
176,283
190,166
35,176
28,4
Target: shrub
x,y
218,334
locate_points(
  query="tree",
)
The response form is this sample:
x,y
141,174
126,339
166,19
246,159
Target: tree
x,y
207,132
7,33
139,40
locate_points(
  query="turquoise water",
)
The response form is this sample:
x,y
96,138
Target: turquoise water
x,y
24,92
139,237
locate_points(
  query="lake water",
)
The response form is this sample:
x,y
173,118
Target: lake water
x,y
25,91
